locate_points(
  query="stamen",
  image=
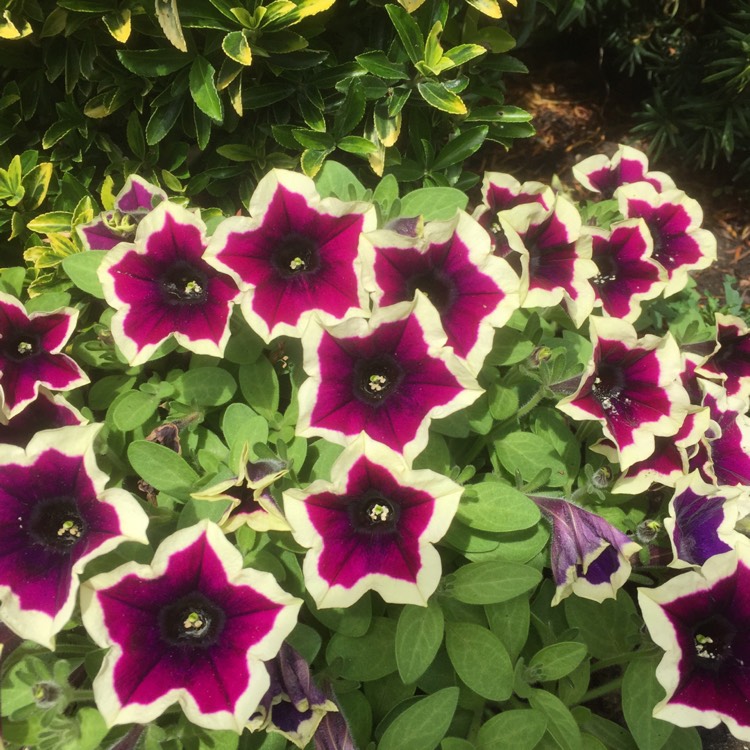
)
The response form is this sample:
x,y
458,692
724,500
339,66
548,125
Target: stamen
x,y
703,644
69,528
379,512
193,622
297,264
377,383
24,347
193,287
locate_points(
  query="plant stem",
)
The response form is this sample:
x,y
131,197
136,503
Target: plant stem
x,y
81,696
598,692
624,658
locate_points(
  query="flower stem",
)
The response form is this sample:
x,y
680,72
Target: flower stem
x,y
624,658
605,689
81,696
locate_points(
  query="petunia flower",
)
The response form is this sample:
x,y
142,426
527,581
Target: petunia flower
x,y
632,387
293,705
193,628
55,516
44,413
589,557
702,520
388,377
723,456
161,287
701,619
251,505
627,274
296,256
31,354
604,175
674,220
729,363
334,733
453,266
132,203
552,256
372,527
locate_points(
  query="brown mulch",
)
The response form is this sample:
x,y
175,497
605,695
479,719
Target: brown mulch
x,y
575,117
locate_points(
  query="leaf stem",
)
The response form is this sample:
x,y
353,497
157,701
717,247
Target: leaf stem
x,y
605,689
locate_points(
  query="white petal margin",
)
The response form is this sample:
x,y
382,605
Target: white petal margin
x,y
153,222
445,492
74,441
736,506
663,634
670,368
105,694
436,340
259,202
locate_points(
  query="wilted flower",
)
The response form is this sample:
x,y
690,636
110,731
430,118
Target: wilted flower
x,y
296,257
161,287
372,527
589,556
193,628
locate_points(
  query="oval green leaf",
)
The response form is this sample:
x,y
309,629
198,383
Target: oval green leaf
x,y
423,724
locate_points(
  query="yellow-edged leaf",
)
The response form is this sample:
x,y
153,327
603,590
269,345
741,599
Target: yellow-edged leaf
x,y
169,20
411,5
490,8
118,24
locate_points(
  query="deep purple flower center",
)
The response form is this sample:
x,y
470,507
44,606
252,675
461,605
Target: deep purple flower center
x,y
609,384
376,378
296,255
57,524
192,621
436,286
713,640
184,284
658,239
373,514
607,269
21,346
732,349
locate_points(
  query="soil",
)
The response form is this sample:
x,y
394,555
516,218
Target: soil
x,y
577,113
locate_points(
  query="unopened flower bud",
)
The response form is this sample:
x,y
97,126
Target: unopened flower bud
x,y
602,477
647,531
539,355
46,694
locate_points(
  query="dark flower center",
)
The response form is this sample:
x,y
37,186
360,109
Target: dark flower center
x,y
296,255
57,524
609,384
607,269
657,236
713,640
436,286
194,620
184,284
21,346
374,514
376,378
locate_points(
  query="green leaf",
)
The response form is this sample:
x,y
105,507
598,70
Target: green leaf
x,y
36,183
354,144
118,24
464,53
161,467
460,148
204,386
408,32
437,95
162,120
52,221
351,621
556,661
153,62
520,729
314,139
527,453
260,387
418,637
608,628
135,137
241,424
236,47
640,693
93,729
351,111
489,8
312,160
561,724
496,506
509,621
169,20
82,268
132,409
338,181
379,65
423,724
368,657
203,89
492,581
434,203
480,660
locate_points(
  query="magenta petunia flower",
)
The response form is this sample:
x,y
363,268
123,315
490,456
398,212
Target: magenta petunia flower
x,y
702,520
723,456
192,628
31,354
132,203
701,619
46,412
627,274
388,377
162,287
674,222
552,256
473,291
632,387
589,557
729,363
55,516
603,175
372,527
296,257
